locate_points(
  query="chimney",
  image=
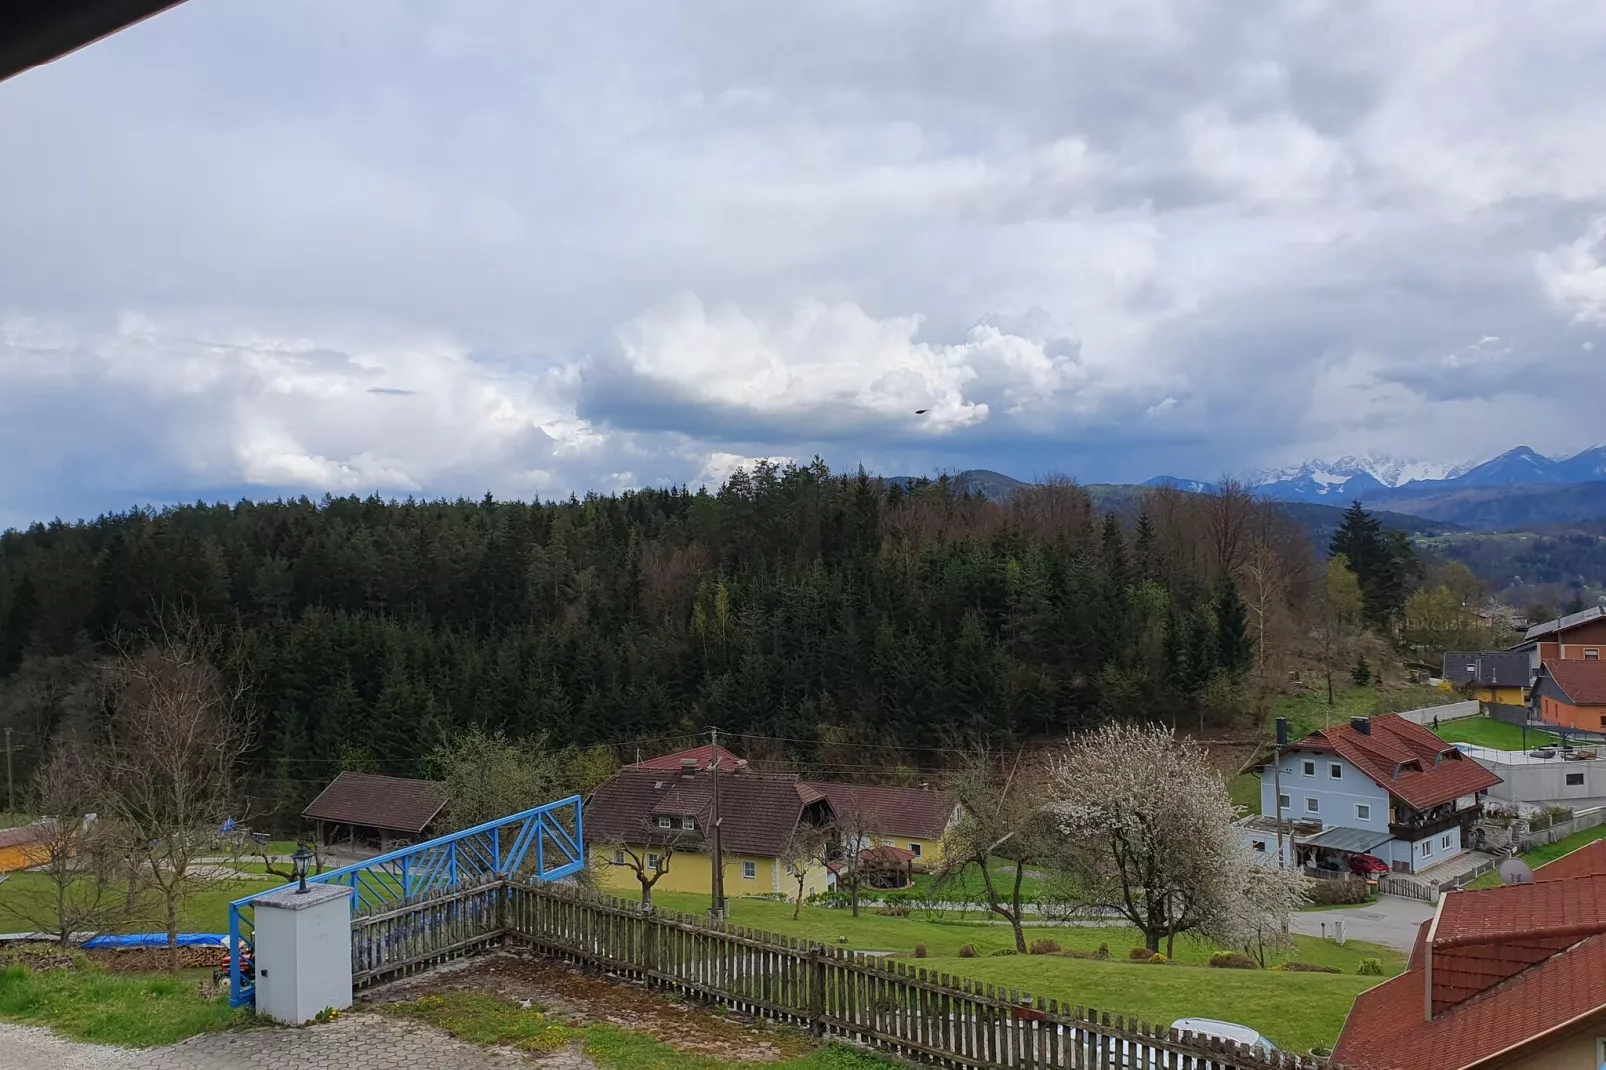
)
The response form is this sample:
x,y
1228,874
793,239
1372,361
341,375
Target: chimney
x,y
741,765
688,767
1363,725
1282,731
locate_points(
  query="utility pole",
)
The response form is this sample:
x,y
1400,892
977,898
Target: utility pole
x,y
717,911
11,791
1277,785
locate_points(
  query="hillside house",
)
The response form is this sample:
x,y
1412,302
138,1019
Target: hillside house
x,y
1572,694
1511,977
911,819
1575,637
1382,786
660,815
1501,676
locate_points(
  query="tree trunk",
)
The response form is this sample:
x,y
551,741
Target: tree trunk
x,y
172,933
646,896
1170,942
1330,687
797,907
1151,939
853,890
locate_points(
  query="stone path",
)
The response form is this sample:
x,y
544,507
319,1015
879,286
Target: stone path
x,y
352,1042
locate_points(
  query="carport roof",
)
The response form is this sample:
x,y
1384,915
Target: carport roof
x,y
1351,841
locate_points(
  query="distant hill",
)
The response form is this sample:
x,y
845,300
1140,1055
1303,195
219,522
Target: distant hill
x,y
1498,507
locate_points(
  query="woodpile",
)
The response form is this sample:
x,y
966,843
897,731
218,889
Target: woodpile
x,y
148,959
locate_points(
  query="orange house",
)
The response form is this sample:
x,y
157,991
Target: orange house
x,y
20,848
1577,637
1572,694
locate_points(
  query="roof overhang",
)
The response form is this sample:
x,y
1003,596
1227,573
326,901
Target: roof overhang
x,y
34,32
1349,840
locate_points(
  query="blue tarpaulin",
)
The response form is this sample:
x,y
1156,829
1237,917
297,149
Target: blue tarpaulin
x,y
158,940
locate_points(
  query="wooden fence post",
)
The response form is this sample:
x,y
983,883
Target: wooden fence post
x,y
816,974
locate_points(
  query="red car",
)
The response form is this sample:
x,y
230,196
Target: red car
x,y
1367,865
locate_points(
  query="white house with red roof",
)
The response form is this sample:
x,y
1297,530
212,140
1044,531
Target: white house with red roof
x,y
1511,977
1380,786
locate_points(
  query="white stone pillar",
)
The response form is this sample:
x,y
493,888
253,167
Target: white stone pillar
x,y
303,952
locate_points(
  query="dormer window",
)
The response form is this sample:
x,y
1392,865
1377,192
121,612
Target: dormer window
x,y
688,823
666,822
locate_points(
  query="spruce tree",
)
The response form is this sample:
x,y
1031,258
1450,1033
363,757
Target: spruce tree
x,y
1233,649
1382,563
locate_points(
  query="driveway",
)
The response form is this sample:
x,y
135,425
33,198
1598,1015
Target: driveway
x,y
1392,921
351,1042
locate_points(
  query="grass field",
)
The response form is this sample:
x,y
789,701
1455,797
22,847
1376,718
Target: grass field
x,y
968,882
1308,712
1485,732
11,819
126,1010
1548,853
25,897
1299,1009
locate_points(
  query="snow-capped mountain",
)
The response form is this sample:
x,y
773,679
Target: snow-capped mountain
x,y
1385,470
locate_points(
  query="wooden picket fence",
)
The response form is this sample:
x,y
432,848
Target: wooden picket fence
x,y
917,1014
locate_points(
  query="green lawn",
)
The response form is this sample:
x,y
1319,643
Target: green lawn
x,y
126,1010
968,883
489,1020
1245,792
1485,732
11,820
1308,712
1297,1011
24,899
1548,853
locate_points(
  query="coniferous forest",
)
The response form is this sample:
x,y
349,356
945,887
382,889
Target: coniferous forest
x,y
814,610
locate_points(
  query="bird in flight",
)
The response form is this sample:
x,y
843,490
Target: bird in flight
x,y
921,412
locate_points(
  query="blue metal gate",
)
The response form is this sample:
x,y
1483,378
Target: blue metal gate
x,y
500,848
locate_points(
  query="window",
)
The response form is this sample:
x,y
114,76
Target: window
x,y
1260,845
914,849
1575,780
654,863
1427,848
618,858
1445,841
1592,654
688,822
1309,768
664,823
1283,803
1311,806
1335,771
1363,812
750,871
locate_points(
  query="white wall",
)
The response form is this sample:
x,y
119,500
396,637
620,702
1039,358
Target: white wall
x,y
1547,781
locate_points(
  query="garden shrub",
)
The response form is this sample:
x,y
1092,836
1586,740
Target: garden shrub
x,y
1233,960
1305,967
920,951
1326,893
1159,960
1103,952
1140,954
967,951
1003,951
1045,946
1370,967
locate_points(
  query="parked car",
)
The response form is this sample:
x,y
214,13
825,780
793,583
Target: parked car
x,y
1367,865
1241,1034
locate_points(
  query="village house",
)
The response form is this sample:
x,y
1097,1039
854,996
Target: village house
x,y
1511,977
1500,676
912,820
1381,786
1572,694
1575,637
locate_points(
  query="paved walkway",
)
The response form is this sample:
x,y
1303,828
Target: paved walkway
x,y
351,1042
1392,921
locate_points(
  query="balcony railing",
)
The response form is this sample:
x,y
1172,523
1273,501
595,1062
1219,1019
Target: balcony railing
x,y
1420,828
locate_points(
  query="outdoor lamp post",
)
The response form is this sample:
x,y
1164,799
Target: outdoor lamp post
x,y
302,860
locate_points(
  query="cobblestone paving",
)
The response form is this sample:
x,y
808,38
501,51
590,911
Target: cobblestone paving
x,y
351,1042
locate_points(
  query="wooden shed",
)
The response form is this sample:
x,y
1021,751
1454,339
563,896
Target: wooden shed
x,y
373,810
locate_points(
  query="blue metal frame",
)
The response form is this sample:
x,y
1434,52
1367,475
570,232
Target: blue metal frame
x,y
467,857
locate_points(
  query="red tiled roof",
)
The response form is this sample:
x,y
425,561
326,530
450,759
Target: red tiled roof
x,y
914,812
1409,761
1588,861
1480,940
703,756
886,857
395,804
1584,682
758,811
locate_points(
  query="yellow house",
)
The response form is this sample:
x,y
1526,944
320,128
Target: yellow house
x,y
1498,676
654,818
913,819
21,848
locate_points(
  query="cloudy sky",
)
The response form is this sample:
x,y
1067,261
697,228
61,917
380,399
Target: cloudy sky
x,y
267,246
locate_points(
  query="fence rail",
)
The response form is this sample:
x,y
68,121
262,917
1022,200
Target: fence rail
x,y
906,1011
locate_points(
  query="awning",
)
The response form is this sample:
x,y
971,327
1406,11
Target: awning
x,y
1350,841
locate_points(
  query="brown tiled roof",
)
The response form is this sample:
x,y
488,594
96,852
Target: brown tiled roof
x,y
1499,981
912,812
885,857
395,804
758,810
22,834
1584,682
1405,759
1587,861
703,756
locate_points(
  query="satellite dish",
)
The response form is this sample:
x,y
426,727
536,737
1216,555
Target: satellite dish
x,y
1515,871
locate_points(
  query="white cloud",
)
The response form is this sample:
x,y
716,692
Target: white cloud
x,y
1574,276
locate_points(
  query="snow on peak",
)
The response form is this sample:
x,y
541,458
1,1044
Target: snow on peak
x,y
1387,470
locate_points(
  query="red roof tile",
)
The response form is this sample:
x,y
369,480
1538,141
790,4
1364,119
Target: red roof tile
x,y
1584,682
1409,761
703,756
758,811
1479,942
1588,861
395,804
914,812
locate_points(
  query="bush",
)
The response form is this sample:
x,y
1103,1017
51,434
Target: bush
x,y
1103,952
1003,951
920,951
1139,954
1370,968
1326,893
1305,967
893,911
967,951
1233,960
898,899
829,900
1158,959
1044,946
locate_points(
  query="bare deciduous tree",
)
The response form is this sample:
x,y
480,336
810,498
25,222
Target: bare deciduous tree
x,y
1003,816
857,829
71,853
648,855
806,847
166,768
1151,831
